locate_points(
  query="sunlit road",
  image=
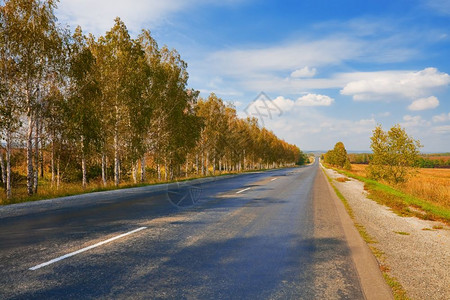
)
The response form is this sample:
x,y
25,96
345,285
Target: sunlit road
x,y
267,235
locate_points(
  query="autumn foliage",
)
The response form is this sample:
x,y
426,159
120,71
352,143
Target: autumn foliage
x,y
111,109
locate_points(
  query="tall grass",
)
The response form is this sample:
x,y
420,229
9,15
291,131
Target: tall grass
x,y
403,201
431,185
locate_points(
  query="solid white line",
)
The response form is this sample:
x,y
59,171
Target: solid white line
x,y
242,190
85,249
273,179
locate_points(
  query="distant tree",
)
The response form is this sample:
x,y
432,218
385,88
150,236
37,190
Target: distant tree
x,y
394,154
303,159
338,156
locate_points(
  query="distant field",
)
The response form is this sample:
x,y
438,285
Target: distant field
x,y
432,185
438,157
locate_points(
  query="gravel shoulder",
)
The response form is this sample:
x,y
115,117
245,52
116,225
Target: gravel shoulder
x,y
417,254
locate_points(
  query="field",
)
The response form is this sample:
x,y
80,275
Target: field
x,y
431,185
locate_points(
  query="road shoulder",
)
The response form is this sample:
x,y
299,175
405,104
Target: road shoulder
x,y
415,251
370,276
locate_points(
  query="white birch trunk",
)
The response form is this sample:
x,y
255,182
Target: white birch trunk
x,y
134,171
2,166
52,163
196,163
83,164
203,164
165,170
58,174
116,158
36,157
41,160
143,168
8,166
104,169
83,170
207,163
30,154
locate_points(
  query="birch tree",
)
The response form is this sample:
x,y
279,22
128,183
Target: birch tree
x,y
394,154
84,98
30,27
116,60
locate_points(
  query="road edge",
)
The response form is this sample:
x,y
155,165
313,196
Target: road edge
x,y
372,282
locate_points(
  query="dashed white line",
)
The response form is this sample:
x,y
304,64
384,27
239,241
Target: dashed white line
x,y
273,179
241,191
85,249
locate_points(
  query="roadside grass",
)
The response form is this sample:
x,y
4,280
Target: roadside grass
x,y
46,191
432,185
402,233
342,179
401,203
398,291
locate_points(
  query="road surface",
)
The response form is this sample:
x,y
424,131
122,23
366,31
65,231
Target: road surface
x,y
267,235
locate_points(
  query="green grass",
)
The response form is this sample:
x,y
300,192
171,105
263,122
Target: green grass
x,y
398,291
402,233
401,203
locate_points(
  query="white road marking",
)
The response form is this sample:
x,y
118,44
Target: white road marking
x,y
273,179
85,249
242,190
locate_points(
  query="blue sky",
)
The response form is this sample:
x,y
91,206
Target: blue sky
x,y
331,69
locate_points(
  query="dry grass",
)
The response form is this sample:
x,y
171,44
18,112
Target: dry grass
x,y
432,185
439,157
359,170
342,179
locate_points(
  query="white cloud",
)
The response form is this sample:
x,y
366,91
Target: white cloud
x,y
98,16
370,121
441,118
283,103
396,84
236,103
296,54
424,103
314,100
311,128
442,129
280,105
304,72
387,85
286,104
414,121
440,6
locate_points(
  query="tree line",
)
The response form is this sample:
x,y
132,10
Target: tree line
x,y
424,161
395,155
80,107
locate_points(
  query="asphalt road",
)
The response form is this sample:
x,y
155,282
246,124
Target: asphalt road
x,y
266,235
